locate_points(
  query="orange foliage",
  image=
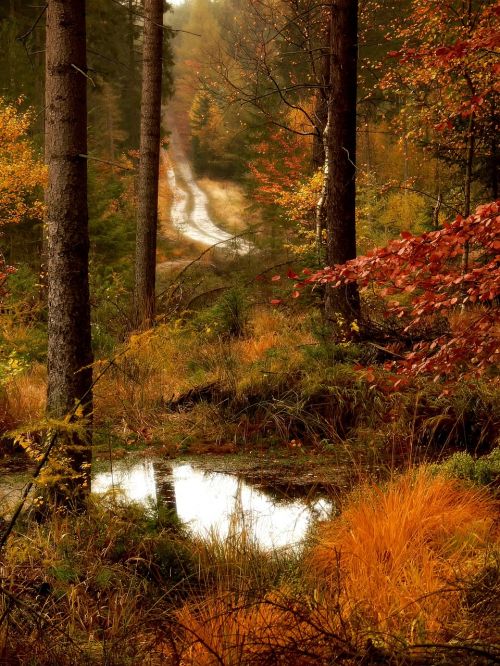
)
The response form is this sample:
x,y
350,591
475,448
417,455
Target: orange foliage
x,y
279,165
274,630
448,61
23,399
403,551
21,170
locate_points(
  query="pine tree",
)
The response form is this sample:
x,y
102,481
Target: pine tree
x,y
147,203
69,339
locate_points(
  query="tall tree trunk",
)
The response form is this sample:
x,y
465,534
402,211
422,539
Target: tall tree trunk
x,y
69,339
340,155
318,152
147,204
132,97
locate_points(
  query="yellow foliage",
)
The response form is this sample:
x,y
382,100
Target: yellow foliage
x,y
299,206
22,172
22,399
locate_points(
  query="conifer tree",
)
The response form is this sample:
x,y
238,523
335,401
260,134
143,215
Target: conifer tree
x,y
147,201
69,339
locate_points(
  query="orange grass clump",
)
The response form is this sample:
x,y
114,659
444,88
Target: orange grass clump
x,y
271,329
274,630
22,400
401,553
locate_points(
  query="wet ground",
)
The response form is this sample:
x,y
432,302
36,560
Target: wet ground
x,y
275,496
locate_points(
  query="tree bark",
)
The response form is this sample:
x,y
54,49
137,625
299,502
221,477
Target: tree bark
x,y
340,155
132,98
147,204
69,337
318,152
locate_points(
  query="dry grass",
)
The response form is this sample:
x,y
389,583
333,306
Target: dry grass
x,y
404,551
461,320
22,400
399,567
89,589
228,202
169,360
277,629
122,589
271,329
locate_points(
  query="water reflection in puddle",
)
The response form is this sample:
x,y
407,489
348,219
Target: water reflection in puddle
x,y
213,502
136,483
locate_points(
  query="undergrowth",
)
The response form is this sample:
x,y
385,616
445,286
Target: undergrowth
x,y
408,573
271,375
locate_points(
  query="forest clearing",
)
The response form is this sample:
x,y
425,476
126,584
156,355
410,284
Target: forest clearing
x,y
249,333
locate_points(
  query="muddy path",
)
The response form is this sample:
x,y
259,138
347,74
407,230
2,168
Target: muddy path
x,y
189,212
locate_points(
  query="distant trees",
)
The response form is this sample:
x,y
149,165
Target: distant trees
x,y
22,175
69,339
22,171
445,74
147,194
295,65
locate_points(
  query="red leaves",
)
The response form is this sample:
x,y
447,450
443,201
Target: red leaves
x,y
448,64
291,275
428,269
446,124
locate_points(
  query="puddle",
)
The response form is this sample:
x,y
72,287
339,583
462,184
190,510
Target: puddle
x,y
136,483
215,502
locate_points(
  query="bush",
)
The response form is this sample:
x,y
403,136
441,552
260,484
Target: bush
x,y
481,471
228,317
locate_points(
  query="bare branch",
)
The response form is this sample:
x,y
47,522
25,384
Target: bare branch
x,y
22,38
97,159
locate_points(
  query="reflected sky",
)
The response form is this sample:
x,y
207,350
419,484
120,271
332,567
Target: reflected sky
x,y
136,483
216,503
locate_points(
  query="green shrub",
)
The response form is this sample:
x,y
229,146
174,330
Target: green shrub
x,y
228,317
462,465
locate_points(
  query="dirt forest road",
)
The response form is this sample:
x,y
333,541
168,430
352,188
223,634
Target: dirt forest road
x,y
189,212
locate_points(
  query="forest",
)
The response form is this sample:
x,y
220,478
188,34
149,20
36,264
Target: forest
x,y
249,333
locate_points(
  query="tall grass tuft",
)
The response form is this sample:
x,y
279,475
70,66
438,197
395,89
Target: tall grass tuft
x,y
404,550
